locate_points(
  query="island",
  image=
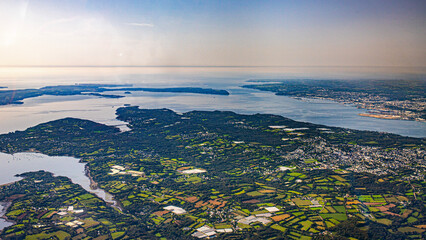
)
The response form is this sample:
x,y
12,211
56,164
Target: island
x,y
16,96
386,99
205,174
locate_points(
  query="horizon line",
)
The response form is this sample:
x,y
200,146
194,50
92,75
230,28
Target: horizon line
x,y
204,66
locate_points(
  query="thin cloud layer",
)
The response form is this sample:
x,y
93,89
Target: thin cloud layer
x,y
140,24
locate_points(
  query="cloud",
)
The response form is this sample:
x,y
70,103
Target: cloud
x,y
54,23
140,24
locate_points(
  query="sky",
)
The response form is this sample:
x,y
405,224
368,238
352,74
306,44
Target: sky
x,y
213,33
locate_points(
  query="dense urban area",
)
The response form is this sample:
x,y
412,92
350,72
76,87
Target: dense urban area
x,y
216,174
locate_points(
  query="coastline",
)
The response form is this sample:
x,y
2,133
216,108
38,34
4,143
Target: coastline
x,y
383,116
5,205
94,186
367,114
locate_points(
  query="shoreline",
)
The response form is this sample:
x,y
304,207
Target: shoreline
x,y
384,116
94,186
366,114
5,205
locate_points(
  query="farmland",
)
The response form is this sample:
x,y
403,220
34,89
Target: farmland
x,y
234,177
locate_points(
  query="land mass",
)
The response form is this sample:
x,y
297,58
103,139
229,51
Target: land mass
x,y
16,96
386,99
202,174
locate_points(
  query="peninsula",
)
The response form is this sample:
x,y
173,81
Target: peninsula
x,y
16,96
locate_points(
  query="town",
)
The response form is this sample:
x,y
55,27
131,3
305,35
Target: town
x,y
386,99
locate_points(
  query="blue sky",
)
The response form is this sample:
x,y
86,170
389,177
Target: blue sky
x,y
279,33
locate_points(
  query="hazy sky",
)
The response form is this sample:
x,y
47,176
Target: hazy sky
x,y
284,33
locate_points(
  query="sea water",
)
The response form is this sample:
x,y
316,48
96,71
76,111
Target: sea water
x,y
241,100
18,163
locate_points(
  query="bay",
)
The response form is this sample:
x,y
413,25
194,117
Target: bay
x,y
244,101
58,165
